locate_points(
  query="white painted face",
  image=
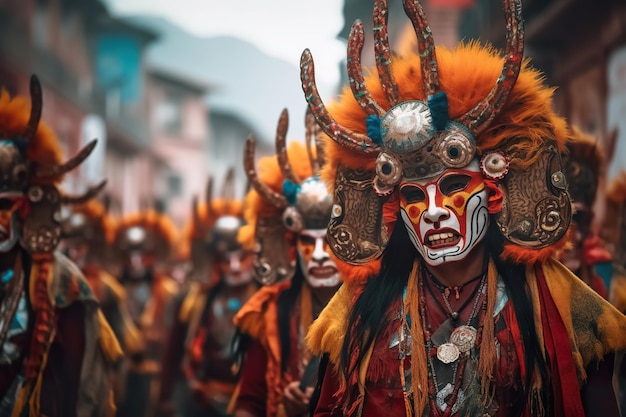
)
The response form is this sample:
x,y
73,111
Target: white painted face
x,y
236,268
318,267
446,216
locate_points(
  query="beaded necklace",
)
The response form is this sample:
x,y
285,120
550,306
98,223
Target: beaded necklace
x,y
456,351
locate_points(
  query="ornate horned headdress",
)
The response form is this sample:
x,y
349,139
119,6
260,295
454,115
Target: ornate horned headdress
x,y
90,223
286,199
148,232
215,223
31,168
433,111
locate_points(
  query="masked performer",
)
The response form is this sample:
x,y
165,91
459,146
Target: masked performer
x,y
144,241
57,348
287,212
449,201
582,164
87,238
200,343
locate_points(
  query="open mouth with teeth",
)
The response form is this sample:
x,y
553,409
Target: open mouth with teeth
x,y
322,272
439,238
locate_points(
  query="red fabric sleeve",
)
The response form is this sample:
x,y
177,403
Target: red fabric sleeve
x,y
253,387
327,403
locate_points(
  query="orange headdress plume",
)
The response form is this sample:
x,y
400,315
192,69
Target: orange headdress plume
x,y
478,103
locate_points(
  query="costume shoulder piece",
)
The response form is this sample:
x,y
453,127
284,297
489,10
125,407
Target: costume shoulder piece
x,y
595,327
327,332
67,283
254,314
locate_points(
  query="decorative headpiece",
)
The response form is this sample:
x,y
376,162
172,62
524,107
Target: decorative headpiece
x,y
31,168
434,111
215,223
146,232
286,199
90,223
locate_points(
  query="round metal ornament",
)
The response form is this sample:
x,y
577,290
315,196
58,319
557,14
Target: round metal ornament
x,y
464,337
448,353
407,126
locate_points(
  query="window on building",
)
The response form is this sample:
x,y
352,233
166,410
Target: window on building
x,y
168,114
174,185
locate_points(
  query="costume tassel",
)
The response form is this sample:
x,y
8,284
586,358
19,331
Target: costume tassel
x,y
487,358
419,363
42,336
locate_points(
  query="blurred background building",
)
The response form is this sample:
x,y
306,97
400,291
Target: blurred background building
x,y
170,108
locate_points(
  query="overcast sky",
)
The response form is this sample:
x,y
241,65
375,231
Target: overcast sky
x,y
280,28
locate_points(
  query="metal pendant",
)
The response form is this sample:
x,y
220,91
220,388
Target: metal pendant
x,y
448,353
464,337
445,393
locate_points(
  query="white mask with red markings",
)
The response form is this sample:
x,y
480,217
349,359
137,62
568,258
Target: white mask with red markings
x,y
446,216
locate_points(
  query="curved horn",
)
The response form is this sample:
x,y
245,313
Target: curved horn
x,y
195,215
229,184
208,198
58,170
355,72
281,148
81,199
344,137
481,116
278,200
35,108
426,46
382,52
310,136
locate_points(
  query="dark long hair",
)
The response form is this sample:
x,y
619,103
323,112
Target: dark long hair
x,y
366,319
286,303
367,316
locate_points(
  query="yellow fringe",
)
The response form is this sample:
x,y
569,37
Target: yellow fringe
x,y
35,399
487,358
21,400
111,407
419,362
108,342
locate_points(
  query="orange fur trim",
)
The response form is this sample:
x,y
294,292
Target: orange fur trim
x,y
269,173
154,222
527,114
43,148
521,255
192,231
466,73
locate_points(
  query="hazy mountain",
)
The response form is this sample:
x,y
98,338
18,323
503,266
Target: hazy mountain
x,y
245,81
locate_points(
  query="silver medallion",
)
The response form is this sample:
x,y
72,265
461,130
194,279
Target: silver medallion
x,y
464,337
448,353
444,394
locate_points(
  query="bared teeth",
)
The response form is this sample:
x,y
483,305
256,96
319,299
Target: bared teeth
x,y
441,238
